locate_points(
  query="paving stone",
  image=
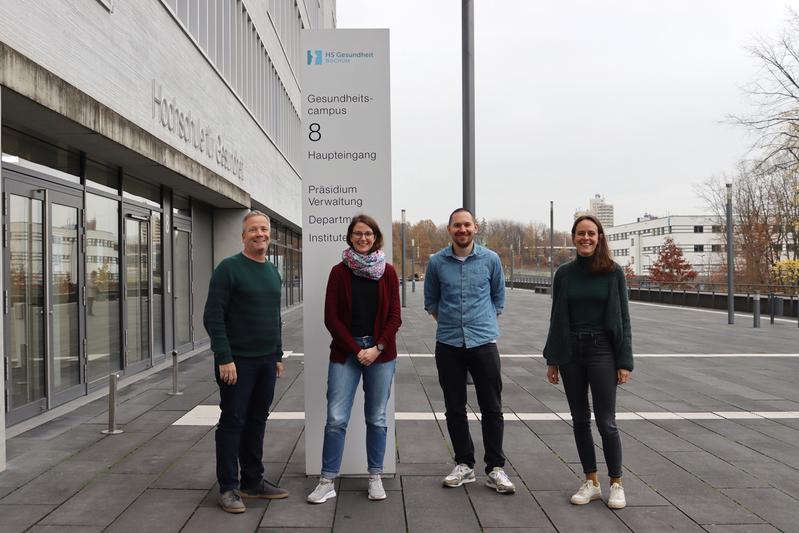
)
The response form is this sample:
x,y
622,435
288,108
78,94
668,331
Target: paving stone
x,y
152,457
99,503
125,413
505,510
294,511
20,517
64,529
745,528
708,506
567,517
425,469
354,511
775,473
431,507
543,471
295,530
657,438
280,439
361,483
544,529
158,510
419,442
637,491
193,470
714,471
773,506
153,421
52,487
657,520
563,445
111,449
213,518
184,433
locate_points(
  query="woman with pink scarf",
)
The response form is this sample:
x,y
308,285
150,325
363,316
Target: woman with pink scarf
x,y
362,313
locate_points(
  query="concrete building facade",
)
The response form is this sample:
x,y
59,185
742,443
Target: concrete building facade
x,y
700,237
134,137
602,209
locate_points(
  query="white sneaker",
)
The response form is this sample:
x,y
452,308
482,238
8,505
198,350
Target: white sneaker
x,y
376,491
460,474
587,493
499,481
323,491
617,499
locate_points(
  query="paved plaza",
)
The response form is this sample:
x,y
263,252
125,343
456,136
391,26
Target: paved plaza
x,y
711,442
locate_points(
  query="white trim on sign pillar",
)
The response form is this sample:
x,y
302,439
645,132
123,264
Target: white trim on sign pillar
x,y
346,131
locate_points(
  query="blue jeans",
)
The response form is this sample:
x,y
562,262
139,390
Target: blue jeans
x,y
342,382
240,432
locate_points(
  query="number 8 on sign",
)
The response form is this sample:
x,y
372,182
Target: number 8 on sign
x,y
315,134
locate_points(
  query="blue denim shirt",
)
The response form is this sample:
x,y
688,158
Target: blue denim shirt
x,y
466,296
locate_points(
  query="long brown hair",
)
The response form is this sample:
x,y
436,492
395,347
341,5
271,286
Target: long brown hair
x,y
601,262
372,223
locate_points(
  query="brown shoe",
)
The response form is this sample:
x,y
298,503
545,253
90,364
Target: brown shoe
x,y
265,490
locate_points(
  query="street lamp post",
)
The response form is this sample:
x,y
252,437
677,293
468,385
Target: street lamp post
x,y
551,247
403,258
730,267
413,266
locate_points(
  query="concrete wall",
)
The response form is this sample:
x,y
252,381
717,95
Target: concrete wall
x,y
202,265
227,233
114,58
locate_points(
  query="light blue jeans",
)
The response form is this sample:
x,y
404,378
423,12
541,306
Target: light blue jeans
x,y
342,382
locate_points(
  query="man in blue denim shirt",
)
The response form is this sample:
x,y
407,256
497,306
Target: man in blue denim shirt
x,y
464,290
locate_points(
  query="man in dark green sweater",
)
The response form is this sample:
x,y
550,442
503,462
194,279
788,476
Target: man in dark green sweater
x,y
242,317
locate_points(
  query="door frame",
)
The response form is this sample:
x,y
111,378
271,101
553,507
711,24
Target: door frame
x,y
17,183
181,225
142,216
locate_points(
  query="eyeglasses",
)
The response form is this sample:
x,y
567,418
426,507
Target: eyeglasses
x,y
359,234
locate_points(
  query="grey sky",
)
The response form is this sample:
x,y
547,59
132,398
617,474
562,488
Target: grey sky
x,y
573,97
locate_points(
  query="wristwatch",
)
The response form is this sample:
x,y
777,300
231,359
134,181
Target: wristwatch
x,y
380,348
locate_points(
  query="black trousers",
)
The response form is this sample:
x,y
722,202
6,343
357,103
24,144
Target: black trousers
x,y
593,366
482,362
240,432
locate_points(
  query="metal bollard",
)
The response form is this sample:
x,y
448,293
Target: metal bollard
x,y
175,391
112,406
772,304
756,310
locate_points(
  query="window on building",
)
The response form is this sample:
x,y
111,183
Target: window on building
x,y
716,229
102,177
716,248
699,229
140,191
699,247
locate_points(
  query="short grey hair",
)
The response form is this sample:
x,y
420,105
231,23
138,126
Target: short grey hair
x,y
256,213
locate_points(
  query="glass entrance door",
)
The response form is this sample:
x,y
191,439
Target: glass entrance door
x,y
138,289
181,261
42,304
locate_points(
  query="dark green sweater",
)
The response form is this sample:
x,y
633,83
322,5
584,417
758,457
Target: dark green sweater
x,y
587,294
242,314
574,286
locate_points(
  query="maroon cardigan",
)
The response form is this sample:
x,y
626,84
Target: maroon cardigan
x,y
338,314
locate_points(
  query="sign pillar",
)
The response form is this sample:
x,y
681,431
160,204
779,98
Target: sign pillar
x,y
346,131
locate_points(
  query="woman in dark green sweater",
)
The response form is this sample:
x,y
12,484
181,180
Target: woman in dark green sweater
x,y
590,345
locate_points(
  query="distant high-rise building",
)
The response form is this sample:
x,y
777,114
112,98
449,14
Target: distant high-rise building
x,y
602,210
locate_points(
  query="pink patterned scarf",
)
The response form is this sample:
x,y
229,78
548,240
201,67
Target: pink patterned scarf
x,y
370,266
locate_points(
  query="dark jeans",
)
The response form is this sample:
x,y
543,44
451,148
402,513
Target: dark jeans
x,y
240,432
593,365
482,363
